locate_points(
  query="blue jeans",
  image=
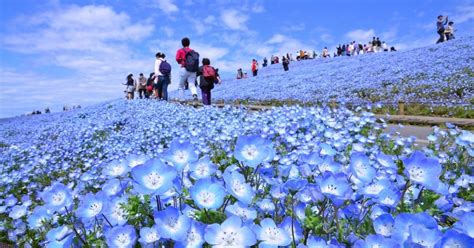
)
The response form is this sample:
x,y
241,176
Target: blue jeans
x,y
164,81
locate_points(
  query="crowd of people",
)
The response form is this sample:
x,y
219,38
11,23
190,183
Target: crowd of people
x,y
191,76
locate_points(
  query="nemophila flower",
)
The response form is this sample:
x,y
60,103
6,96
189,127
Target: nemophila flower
x,y
230,233
403,221
91,206
389,197
383,225
113,187
376,240
194,237
180,154
270,235
115,212
116,168
386,161
266,205
121,236
294,185
465,224
149,235
452,238
57,197
18,212
153,177
335,187
40,214
287,224
172,224
327,150
423,170
236,185
134,160
207,194
422,236
60,236
203,168
251,150
247,214
10,201
329,165
361,167
374,188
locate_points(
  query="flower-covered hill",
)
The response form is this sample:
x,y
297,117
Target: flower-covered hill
x,y
154,173
435,74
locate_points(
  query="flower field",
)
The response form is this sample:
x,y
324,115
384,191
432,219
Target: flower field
x,y
151,174
437,75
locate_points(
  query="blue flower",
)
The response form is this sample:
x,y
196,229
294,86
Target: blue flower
x,y
335,187
466,224
287,225
207,194
91,206
451,238
180,154
194,237
266,205
121,236
114,212
149,235
383,225
203,168
236,185
18,212
247,214
389,197
57,197
403,221
39,215
361,167
422,236
116,168
375,240
251,150
423,170
59,237
153,177
113,187
271,235
230,233
171,224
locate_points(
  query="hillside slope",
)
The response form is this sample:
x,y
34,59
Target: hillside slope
x,y
436,74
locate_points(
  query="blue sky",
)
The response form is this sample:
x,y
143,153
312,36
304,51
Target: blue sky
x,y
55,53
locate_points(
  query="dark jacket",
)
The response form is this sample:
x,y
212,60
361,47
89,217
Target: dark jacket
x,y
203,82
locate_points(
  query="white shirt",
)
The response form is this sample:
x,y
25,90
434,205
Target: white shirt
x,y
157,69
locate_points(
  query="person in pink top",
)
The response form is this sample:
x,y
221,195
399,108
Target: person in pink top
x,y
188,59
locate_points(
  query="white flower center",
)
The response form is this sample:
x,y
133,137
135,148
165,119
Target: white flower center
x,y
180,156
58,198
122,239
95,208
250,152
206,198
153,180
417,173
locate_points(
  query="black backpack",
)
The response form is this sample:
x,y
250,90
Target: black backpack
x,y
165,68
191,61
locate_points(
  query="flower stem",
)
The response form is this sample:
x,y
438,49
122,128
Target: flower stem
x,y
74,228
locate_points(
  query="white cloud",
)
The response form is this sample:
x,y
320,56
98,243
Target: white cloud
x,y
361,35
167,6
258,8
95,44
463,14
168,31
234,20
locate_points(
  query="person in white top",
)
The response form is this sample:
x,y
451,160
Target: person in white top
x,y
157,73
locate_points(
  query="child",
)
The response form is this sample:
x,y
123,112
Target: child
x,y
449,31
207,75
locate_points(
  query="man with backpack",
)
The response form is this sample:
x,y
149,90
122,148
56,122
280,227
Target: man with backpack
x,y
162,76
188,59
208,75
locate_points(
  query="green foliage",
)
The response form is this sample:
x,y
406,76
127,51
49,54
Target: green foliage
x,y
210,216
139,213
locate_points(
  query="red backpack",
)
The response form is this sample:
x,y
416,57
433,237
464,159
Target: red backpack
x,y
208,72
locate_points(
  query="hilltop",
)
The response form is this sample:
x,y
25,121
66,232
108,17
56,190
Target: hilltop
x,y
436,74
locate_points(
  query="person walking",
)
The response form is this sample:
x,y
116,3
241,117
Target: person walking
x,y
449,31
254,67
130,86
440,27
285,62
149,85
141,86
188,59
164,76
265,62
207,76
